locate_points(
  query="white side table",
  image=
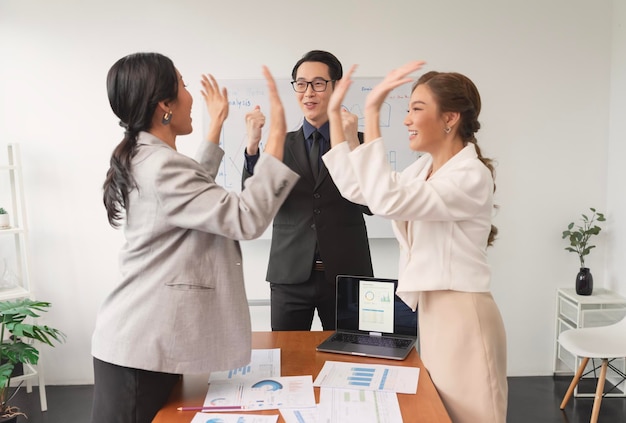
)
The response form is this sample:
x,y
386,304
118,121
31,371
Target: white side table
x,y
603,307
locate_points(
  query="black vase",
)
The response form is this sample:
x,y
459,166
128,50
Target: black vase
x,y
584,282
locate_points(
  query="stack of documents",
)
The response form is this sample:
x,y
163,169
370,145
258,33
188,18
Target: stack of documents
x,y
349,392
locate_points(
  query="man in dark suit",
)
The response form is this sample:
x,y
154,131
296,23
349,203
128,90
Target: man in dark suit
x,y
317,234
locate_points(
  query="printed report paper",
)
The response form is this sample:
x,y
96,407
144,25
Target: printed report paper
x,y
351,405
348,405
264,363
370,377
262,394
232,418
300,415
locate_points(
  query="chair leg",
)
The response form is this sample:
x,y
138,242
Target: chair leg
x,y
599,391
575,381
42,387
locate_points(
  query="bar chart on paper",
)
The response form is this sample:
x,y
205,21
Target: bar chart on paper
x,y
361,377
241,371
265,363
371,377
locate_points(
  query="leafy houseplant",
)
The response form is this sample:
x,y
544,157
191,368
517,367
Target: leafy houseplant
x,y
17,343
579,243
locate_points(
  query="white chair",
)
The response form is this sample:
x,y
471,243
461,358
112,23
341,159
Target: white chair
x,y
605,343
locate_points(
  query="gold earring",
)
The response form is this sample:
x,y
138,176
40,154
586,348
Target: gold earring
x,y
167,118
447,129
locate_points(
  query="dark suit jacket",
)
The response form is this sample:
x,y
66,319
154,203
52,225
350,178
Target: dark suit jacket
x,y
314,212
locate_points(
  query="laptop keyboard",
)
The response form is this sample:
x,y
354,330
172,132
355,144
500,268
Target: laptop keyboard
x,y
373,340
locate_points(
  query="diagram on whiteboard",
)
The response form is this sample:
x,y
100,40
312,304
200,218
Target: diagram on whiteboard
x,y
244,95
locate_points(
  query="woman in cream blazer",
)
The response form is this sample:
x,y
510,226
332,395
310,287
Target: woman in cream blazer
x,y
441,208
180,306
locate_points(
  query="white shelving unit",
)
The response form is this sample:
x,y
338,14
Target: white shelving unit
x,y
602,308
14,254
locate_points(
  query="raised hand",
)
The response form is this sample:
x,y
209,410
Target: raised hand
x,y
350,124
216,101
278,124
342,124
394,79
340,91
255,120
377,96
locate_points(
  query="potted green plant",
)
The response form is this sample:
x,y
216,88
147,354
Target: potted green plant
x,y
4,219
579,243
17,346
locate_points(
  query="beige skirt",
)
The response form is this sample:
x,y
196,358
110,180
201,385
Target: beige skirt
x,y
463,346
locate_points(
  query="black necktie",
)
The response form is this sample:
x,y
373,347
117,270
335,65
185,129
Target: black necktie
x,y
314,154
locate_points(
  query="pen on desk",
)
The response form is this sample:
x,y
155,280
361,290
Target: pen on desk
x,y
212,408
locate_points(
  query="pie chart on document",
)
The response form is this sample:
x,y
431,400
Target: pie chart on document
x,y
268,385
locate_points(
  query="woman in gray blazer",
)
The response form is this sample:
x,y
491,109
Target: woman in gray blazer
x,y
180,306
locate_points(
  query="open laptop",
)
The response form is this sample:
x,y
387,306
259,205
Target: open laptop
x,y
372,321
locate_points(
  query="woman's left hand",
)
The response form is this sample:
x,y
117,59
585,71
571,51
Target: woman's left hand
x,y
216,100
393,79
217,105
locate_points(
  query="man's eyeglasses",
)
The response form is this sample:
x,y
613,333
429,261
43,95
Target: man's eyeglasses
x,y
318,85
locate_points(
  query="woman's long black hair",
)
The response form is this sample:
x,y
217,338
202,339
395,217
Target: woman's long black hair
x,y
135,85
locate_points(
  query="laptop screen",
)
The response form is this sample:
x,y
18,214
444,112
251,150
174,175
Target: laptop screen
x,y
368,304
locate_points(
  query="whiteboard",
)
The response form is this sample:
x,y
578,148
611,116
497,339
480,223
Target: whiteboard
x,y
244,95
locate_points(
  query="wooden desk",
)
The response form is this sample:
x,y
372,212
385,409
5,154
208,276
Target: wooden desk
x,y
298,357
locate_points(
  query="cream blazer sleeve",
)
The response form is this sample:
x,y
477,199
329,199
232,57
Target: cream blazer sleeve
x,y
462,188
442,224
338,163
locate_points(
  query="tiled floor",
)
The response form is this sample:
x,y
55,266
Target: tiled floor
x,y
531,400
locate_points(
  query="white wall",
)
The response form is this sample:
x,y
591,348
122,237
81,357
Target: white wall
x,y
551,75
616,200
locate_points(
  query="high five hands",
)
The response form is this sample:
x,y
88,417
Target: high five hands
x,y
345,121
216,100
255,121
